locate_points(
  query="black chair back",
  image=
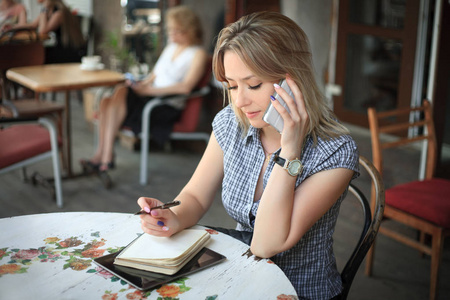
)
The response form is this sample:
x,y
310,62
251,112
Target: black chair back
x,y
370,226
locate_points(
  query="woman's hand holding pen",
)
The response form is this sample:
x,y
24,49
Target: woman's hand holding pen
x,y
157,222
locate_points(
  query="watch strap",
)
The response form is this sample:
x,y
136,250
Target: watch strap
x,y
285,164
281,161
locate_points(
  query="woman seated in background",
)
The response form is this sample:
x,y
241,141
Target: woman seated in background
x,y
56,17
177,71
284,190
12,14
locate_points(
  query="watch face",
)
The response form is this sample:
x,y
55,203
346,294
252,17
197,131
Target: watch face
x,y
294,167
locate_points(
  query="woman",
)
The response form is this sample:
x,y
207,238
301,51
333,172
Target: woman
x,y
56,17
290,215
177,71
12,14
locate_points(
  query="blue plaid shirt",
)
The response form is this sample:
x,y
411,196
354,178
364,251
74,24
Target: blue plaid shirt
x,y
310,264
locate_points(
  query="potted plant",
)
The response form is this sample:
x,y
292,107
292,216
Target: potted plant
x,y
120,58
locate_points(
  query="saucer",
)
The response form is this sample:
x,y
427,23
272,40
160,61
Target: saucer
x,y
92,68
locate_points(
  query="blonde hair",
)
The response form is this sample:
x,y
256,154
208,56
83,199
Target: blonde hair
x,y
188,20
71,35
271,45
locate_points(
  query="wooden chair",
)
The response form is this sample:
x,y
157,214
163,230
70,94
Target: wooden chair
x,y
423,204
27,141
185,128
15,35
20,53
370,226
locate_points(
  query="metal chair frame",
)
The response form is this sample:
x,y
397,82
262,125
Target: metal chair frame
x,y
145,133
370,227
203,89
53,153
20,54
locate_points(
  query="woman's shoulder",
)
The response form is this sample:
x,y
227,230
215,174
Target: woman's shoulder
x,y
331,144
334,152
19,7
332,148
224,116
170,47
225,126
16,9
198,51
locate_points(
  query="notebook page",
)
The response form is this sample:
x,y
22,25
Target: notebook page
x,y
153,247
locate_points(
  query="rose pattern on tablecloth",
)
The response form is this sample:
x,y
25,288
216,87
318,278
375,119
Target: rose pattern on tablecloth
x,y
78,256
79,259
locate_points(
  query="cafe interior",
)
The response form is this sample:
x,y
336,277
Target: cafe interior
x,y
383,55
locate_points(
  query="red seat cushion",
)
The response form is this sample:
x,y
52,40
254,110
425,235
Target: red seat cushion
x,y
190,116
20,142
428,199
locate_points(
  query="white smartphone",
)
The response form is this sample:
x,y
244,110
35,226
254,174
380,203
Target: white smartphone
x,y
271,115
131,78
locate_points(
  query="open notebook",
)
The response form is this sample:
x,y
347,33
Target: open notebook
x,y
165,255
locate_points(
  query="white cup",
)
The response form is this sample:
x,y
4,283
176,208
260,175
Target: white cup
x,y
90,62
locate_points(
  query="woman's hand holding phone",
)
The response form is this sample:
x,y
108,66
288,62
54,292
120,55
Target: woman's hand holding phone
x,y
272,116
296,120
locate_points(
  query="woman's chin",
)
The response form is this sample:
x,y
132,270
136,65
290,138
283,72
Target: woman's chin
x,y
258,123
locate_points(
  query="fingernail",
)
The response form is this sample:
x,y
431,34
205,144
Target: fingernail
x,y
272,98
276,86
146,209
154,212
160,223
165,228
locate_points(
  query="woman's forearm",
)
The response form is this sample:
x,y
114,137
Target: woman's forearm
x,y
199,193
47,24
146,89
190,211
284,216
274,217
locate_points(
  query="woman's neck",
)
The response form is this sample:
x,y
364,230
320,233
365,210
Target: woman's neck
x,y
180,48
270,139
182,45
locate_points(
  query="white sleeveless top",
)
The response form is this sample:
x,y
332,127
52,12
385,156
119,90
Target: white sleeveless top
x,y
169,72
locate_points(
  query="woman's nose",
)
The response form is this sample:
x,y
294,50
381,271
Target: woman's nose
x,y
241,98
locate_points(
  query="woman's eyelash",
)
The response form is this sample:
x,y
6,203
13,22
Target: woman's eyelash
x,y
255,87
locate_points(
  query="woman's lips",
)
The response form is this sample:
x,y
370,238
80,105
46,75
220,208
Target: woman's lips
x,y
252,114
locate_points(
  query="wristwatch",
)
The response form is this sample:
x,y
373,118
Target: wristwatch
x,y
293,167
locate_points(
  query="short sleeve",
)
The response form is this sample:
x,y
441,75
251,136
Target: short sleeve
x,y
345,156
340,152
222,126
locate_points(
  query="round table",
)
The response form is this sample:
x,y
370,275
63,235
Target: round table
x,y
49,256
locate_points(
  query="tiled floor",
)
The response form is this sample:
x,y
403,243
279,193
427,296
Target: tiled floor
x,y
399,272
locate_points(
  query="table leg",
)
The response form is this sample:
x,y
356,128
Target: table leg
x,y
68,143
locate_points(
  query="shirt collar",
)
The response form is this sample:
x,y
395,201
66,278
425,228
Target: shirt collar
x,y
252,133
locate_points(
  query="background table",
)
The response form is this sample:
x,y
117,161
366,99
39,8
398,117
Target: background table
x,y
49,256
63,77
22,36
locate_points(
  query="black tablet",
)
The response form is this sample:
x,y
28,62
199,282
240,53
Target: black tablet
x,y
144,280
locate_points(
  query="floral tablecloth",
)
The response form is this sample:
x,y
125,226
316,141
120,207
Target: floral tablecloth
x,y
49,256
